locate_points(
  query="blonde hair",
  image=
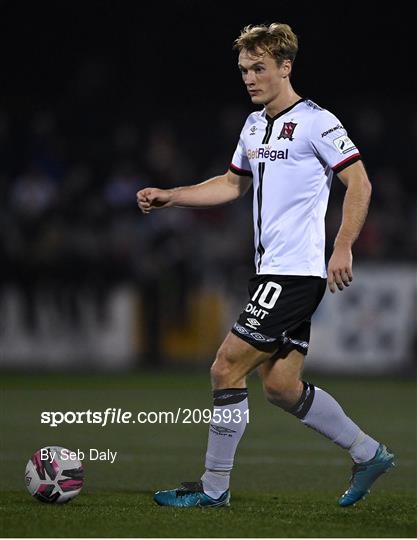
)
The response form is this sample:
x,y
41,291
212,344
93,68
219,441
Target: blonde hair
x,y
278,40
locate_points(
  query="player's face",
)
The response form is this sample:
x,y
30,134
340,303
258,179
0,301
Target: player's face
x,y
262,76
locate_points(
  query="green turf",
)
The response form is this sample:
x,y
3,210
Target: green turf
x,y
286,481
251,515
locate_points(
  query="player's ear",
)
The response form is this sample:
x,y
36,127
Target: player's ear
x,y
286,67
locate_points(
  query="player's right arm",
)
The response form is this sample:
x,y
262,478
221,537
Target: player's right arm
x,y
215,191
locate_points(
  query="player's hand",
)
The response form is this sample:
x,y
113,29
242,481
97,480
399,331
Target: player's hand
x,y
339,270
150,198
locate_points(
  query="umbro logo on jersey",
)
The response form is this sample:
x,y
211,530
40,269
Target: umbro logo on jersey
x,y
287,131
253,130
267,153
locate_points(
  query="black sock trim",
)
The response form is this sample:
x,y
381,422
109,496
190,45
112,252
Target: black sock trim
x,y
227,396
303,405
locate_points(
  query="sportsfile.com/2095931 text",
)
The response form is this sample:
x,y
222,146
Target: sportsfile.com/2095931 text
x,y
114,415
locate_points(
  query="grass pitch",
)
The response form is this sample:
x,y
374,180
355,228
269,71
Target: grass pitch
x,y
286,480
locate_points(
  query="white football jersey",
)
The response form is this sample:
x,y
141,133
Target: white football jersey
x,y
292,158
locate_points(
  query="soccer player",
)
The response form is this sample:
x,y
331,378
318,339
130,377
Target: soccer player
x,y
290,151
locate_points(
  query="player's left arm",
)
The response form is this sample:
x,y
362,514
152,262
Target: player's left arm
x,y
355,209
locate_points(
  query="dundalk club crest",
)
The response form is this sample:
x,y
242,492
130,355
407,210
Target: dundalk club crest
x,y
287,131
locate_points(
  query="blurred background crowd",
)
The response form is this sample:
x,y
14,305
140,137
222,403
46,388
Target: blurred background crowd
x,y
99,105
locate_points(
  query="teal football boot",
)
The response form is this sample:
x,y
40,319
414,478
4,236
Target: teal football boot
x,y
365,474
190,495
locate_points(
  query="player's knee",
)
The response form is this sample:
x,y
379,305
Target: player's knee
x,y
218,372
284,393
222,370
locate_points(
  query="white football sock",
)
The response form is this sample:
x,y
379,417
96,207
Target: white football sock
x,y
226,429
321,412
363,448
215,483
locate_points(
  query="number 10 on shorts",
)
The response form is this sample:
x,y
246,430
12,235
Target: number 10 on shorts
x,y
268,287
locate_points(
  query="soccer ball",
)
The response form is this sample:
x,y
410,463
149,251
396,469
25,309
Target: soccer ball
x,y
52,477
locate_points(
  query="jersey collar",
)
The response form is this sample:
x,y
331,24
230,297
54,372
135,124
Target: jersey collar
x,y
272,120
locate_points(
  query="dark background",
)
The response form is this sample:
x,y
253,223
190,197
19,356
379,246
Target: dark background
x,y
181,51
102,98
